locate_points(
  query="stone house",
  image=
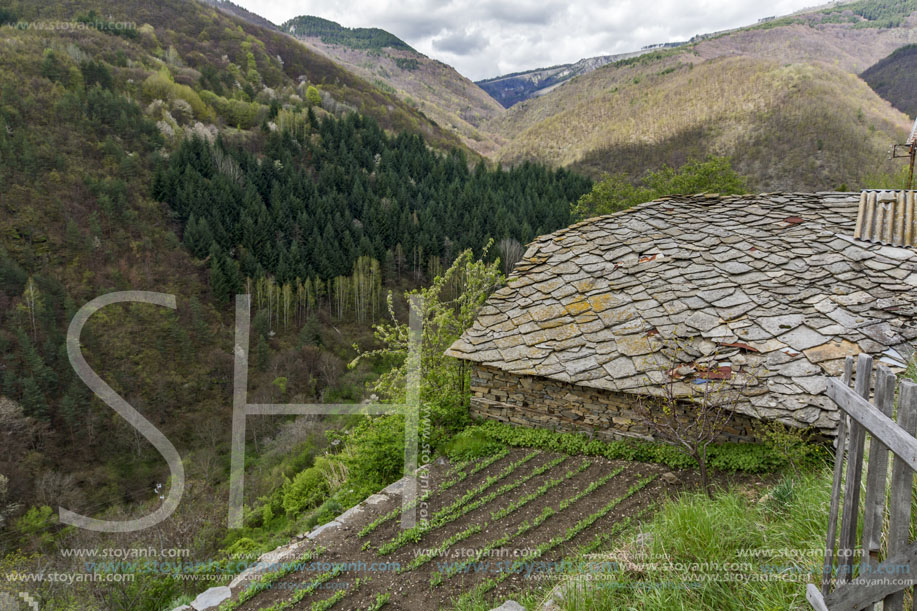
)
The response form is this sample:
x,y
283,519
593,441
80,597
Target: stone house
x,y
774,284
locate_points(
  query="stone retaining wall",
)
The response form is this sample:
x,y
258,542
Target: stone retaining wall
x,y
539,402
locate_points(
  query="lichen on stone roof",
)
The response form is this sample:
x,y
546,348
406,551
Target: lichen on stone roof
x,y
772,283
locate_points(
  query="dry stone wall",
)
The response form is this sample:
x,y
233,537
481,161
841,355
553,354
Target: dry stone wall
x,y
550,404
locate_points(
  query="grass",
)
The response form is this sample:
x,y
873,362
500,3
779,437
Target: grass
x,y
731,528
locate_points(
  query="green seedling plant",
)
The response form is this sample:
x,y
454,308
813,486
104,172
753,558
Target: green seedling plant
x,y
381,601
267,580
453,511
460,476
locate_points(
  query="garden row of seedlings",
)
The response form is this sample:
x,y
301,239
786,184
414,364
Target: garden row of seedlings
x,y
270,579
519,566
456,475
468,502
476,498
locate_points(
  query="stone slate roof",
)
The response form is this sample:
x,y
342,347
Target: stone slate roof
x,y
772,284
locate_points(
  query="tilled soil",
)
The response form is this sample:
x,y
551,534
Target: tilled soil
x,y
412,589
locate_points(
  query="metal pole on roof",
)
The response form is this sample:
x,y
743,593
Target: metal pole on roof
x,y
911,145
910,171
912,149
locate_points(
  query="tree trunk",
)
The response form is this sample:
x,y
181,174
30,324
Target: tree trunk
x,y
701,458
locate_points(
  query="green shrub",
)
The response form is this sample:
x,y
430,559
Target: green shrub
x,y
35,526
236,113
618,192
307,490
326,512
160,86
96,73
313,97
727,456
97,22
241,548
407,63
470,444
52,68
7,16
793,444
374,454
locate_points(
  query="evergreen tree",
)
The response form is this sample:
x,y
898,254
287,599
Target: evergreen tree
x,y
312,202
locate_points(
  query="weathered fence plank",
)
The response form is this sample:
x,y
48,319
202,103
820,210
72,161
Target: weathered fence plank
x,y
902,482
847,544
877,423
836,488
815,598
868,589
876,582
877,475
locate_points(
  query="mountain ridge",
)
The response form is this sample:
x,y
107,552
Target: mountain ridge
x,y
636,114
431,87
893,78
510,89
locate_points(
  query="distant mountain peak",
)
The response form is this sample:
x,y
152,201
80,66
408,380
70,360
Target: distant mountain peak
x,y
333,33
510,89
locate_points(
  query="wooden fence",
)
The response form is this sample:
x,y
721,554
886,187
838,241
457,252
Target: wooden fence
x,y
858,577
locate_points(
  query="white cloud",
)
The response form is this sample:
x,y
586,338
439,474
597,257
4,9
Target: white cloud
x,y
460,42
484,38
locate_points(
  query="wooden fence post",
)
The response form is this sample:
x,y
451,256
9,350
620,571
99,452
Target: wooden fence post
x,y
847,546
901,485
836,486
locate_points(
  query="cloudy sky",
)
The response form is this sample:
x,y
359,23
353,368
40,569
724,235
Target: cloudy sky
x,y
485,38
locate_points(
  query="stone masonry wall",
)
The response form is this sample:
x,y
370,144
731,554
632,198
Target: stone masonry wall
x,y
539,402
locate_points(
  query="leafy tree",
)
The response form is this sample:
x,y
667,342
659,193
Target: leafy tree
x,y
696,402
447,307
616,192
313,97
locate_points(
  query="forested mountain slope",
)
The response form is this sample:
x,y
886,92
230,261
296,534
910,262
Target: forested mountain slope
x,y
208,49
782,98
432,87
895,79
111,137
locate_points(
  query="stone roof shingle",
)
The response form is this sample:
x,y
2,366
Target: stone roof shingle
x,y
773,283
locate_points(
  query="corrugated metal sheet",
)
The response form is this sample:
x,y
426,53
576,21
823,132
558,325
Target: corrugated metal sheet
x,y
887,217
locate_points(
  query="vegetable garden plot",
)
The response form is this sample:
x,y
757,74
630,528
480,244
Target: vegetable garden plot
x,y
486,528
